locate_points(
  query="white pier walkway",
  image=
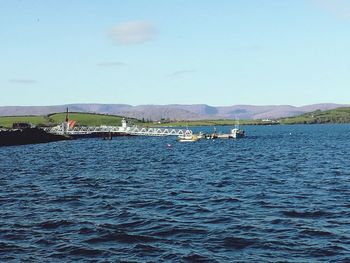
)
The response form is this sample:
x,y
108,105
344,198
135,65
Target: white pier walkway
x,y
64,128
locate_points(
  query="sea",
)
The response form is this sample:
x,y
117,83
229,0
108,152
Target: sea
x,y
282,194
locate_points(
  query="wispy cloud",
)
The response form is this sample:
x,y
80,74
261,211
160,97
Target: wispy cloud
x,y
111,64
181,73
339,8
23,81
133,32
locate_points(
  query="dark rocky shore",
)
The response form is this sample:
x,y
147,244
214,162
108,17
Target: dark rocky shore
x,y
28,136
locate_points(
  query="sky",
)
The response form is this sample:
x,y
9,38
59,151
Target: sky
x,y
216,52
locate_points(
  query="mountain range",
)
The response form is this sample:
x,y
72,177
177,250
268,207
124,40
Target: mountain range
x,y
174,111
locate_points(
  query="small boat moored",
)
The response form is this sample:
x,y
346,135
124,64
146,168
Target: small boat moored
x,y
188,138
236,133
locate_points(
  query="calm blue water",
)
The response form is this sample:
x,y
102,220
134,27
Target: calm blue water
x,y
280,195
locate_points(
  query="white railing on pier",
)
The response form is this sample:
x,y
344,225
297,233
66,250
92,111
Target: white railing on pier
x,y
158,131
141,131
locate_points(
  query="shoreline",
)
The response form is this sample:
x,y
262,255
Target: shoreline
x,y
25,136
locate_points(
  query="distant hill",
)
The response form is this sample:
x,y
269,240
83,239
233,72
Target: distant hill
x,y
174,111
338,115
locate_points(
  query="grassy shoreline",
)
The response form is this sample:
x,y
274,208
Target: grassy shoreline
x,y
211,123
83,119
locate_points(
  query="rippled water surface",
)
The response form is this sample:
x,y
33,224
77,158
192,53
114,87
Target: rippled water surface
x,y
280,195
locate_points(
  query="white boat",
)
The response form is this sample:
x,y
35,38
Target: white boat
x,y
201,135
236,132
187,138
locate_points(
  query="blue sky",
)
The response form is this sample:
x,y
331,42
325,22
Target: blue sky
x,y
217,52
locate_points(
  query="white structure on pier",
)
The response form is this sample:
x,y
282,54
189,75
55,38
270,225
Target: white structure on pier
x,y
65,128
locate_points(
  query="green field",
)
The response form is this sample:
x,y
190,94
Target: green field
x,y
36,120
209,123
90,119
83,119
87,119
339,115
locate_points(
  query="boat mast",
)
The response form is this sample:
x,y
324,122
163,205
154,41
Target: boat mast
x,y
67,115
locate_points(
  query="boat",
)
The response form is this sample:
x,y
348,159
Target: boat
x,y
201,135
237,133
187,138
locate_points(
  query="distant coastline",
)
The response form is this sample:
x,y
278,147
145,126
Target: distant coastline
x,y
183,112
338,115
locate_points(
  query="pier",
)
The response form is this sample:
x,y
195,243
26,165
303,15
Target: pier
x,y
66,128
